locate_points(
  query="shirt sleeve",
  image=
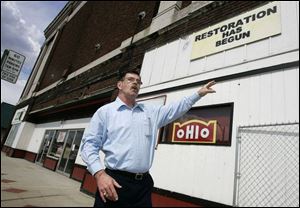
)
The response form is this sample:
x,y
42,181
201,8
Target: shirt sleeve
x,y
172,111
92,143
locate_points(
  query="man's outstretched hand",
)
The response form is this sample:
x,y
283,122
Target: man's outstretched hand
x,y
206,89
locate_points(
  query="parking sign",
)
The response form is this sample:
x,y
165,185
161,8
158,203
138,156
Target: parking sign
x,y
11,65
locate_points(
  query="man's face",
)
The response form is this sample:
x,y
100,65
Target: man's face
x,y
130,85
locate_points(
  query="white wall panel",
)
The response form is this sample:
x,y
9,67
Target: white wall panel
x,y
25,136
18,135
233,90
277,98
183,59
291,83
199,171
235,55
243,102
197,67
215,61
297,16
265,99
254,100
147,67
158,65
170,61
289,38
258,49
221,95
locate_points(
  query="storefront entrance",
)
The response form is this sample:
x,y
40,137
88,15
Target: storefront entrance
x,y
70,150
62,146
49,134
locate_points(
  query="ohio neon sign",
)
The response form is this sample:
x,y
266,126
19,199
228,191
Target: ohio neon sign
x,y
195,131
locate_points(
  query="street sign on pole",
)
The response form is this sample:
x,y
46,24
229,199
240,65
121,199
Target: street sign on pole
x,y
11,65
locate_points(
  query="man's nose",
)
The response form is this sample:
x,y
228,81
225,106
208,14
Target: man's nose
x,y
135,82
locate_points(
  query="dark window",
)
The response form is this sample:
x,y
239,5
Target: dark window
x,y
201,125
20,116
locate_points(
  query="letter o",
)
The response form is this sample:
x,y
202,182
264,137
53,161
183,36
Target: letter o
x,y
204,133
223,28
261,14
180,134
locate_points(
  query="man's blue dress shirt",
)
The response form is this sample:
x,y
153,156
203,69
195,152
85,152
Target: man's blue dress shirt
x,y
127,136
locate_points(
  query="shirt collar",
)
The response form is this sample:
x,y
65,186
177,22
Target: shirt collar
x,y
121,105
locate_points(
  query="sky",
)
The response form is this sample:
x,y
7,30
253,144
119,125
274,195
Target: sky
x,y
22,30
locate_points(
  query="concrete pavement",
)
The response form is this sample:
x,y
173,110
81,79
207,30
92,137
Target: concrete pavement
x,y
24,183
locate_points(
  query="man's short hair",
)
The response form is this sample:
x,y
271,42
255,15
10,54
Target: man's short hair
x,y
123,74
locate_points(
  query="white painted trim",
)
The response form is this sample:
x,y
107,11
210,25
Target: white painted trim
x,y
76,10
224,71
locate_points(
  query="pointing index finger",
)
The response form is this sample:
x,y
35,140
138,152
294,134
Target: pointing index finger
x,y
211,83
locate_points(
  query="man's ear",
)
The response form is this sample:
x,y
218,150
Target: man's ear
x,y
119,85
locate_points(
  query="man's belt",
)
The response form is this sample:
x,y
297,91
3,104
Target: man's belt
x,y
136,176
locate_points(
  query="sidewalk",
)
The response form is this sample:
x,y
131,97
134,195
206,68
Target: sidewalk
x,y
24,184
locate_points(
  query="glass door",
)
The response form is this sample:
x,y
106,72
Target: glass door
x,y
57,145
66,151
70,151
74,151
49,134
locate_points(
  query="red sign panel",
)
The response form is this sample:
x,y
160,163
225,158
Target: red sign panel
x,y
195,131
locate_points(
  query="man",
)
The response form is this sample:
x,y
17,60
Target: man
x,y
125,131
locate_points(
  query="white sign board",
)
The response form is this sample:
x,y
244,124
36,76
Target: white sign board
x,y
19,115
11,66
254,25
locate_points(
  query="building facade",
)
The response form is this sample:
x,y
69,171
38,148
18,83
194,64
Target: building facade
x,y
225,150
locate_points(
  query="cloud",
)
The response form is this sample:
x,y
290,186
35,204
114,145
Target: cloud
x,y
22,26
18,34
12,92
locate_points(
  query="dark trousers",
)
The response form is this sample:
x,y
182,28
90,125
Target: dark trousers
x,y
134,193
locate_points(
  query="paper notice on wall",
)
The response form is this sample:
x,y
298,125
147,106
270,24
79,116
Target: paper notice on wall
x,y
61,137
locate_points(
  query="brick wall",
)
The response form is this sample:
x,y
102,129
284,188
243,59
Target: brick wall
x,y
105,74
105,22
